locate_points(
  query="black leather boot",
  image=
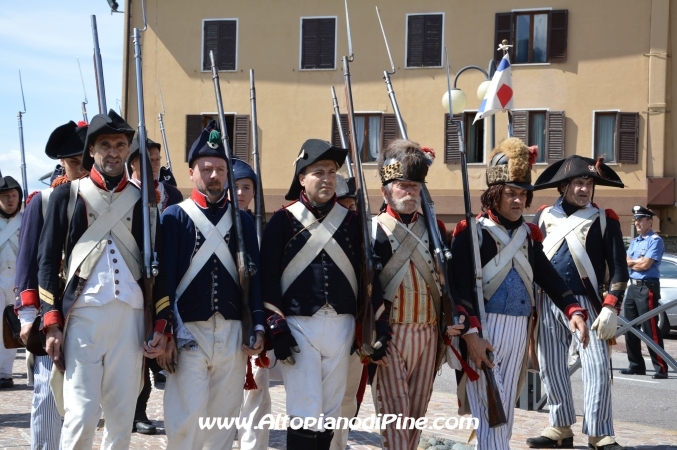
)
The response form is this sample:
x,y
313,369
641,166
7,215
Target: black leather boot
x,y
545,442
302,439
324,439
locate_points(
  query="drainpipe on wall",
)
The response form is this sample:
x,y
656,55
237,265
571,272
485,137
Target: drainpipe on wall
x,y
658,74
126,64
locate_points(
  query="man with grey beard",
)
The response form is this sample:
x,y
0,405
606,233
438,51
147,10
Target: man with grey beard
x,y
411,293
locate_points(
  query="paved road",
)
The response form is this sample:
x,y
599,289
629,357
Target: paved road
x,y
636,399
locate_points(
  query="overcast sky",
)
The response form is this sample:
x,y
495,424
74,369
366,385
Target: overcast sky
x,y
43,39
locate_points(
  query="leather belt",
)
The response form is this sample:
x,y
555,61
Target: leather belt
x,y
642,282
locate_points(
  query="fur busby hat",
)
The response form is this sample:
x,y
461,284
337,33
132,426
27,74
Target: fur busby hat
x,y
345,187
9,184
510,163
312,151
639,211
101,124
578,166
67,140
404,161
208,144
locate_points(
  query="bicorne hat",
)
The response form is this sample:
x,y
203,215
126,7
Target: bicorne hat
x,y
312,151
101,124
578,166
67,140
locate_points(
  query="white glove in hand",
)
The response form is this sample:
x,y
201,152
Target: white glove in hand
x,y
606,323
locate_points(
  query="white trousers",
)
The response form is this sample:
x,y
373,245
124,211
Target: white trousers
x,y
257,404
349,403
508,336
208,382
103,352
6,298
316,383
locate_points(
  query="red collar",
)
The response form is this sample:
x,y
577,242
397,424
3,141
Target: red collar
x,y
493,217
396,215
98,180
201,199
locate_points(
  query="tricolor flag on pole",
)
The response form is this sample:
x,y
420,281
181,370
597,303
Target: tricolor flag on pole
x,y
499,94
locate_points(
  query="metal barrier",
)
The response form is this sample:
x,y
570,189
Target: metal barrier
x,y
531,399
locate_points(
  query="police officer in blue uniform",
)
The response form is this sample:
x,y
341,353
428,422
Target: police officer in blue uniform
x,y
644,291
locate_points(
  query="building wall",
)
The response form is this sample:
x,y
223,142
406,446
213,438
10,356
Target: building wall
x,y
606,69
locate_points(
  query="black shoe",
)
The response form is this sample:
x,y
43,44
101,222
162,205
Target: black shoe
x,y
144,427
613,446
545,442
659,375
6,382
160,378
630,371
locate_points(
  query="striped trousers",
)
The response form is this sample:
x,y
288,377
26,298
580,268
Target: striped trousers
x,y
508,336
405,386
46,421
554,339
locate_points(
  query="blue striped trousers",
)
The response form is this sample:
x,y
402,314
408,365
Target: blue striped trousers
x,y
554,339
46,421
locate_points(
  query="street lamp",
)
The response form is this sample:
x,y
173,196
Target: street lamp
x,y
459,99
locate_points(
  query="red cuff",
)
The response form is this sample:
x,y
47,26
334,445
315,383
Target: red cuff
x,y
575,307
29,297
52,318
162,326
611,300
473,320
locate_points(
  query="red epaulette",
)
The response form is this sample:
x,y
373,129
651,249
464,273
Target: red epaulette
x,y
611,214
462,225
536,233
30,197
442,227
541,208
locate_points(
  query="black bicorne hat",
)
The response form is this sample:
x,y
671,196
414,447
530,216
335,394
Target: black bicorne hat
x,y
208,144
67,140
639,211
312,151
101,124
9,184
578,166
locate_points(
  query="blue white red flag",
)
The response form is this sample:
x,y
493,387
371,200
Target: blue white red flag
x,y
499,94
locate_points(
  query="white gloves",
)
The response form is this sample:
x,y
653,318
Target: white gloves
x,y
606,323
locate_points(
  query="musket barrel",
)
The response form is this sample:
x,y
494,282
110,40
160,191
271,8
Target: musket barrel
x,y
164,141
100,86
24,183
260,209
339,127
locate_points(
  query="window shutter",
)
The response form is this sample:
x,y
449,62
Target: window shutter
x,y
193,130
211,42
327,47
452,151
391,130
628,137
335,137
227,45
520,125
241,137
504,30
433,40
415,40
554,136
557,43
318,47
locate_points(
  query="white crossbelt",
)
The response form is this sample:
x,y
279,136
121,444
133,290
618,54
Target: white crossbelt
x,y
8,230
510,251
214,244
321,238
108,220
46,193
565,231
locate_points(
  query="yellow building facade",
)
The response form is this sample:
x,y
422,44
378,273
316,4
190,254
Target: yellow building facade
x,y
589,78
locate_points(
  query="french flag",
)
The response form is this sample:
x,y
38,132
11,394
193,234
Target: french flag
x,y
499,94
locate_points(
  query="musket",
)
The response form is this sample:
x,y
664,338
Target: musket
x,y
339,127
24,182
496,412
370,261
162,128
441,251
259,208
245,267
148,200
84,104
98,67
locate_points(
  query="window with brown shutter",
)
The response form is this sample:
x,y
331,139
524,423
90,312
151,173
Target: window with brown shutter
x,y
628,137
237,127
241,139
390,130
318,43
542,128
219,36
452,151
536,36
616,136
335,136
554,137
374,130
425,33
194,128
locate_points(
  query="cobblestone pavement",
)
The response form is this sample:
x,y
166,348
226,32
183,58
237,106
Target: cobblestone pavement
x,y
15,416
